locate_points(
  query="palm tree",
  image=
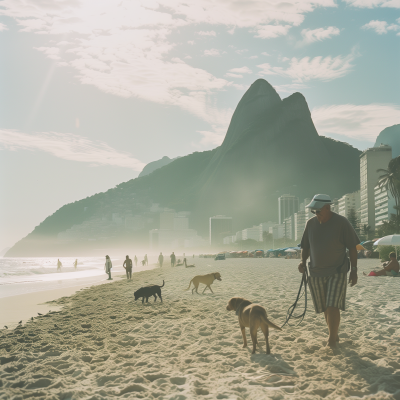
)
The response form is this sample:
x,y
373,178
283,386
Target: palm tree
x,y
390,180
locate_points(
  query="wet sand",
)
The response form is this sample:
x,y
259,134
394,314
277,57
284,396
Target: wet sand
x,y
102,344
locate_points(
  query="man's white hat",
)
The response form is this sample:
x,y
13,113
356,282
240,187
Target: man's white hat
x,y
319,200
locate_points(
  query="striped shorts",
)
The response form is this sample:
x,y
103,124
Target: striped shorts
x,y
328,291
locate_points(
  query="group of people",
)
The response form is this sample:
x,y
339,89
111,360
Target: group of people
x,y
172,257
128,264
59,264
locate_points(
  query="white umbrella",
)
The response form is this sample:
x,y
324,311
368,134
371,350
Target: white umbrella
x,y
290,251
391,240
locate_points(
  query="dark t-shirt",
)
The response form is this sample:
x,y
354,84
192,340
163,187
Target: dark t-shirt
x,y
328,243
128,263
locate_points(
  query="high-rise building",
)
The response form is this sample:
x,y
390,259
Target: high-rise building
x,y
300,221
384,205
266,225
277,231
287,206
370,161
289,227
220,226
350,201
254,233
181,222
167,219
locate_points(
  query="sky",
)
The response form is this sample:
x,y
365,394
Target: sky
x,y
93,90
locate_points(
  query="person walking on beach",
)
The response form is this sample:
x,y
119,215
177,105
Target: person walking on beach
x,y
160,259
59,265
146,261
173,259
75,263
135,259
325,240
128,268
108,267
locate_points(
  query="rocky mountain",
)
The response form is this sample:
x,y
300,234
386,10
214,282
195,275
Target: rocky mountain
x,y
391,137
271,148
152,166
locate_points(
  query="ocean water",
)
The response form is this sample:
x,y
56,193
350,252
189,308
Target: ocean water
x,y
39,269
34,274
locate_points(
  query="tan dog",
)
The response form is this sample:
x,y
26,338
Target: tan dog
x,y
205,279
251,316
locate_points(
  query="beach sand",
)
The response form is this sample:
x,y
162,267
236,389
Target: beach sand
x,y
102,344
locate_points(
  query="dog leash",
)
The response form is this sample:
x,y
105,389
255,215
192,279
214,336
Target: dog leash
x,y
300,294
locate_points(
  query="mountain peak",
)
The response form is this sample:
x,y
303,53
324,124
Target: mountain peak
x,y
391,137
261,88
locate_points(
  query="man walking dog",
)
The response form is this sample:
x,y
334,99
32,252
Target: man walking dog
x,y
325,240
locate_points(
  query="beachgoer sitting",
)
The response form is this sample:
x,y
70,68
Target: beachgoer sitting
x,y
389,269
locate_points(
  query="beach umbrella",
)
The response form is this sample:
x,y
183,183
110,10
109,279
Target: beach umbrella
x,y
290,251
359,247
391,240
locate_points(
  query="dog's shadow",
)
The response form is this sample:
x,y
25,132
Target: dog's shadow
x,y
273,361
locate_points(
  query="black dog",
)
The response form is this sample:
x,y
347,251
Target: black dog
x,y
148,291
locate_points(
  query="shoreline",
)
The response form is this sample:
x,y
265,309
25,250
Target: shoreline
x,y
102,344
32,297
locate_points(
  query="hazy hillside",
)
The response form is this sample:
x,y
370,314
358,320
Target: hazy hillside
x,y
271,148
152,166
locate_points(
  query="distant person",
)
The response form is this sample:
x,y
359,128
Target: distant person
x,y
108,267
128,268
326,238
390,269
173,259
160,259
75,263
59,265
193,255
136,260
146,260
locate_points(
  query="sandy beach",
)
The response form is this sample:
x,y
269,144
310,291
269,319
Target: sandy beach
x,y
101,344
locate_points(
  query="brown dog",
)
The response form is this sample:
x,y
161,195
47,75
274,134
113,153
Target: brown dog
x,y
205,279
251,316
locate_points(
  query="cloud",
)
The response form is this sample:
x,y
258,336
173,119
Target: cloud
x,y
374,3
207,33
213,137
68,146
272,31
229,74
241,70
290,88
3,27
306,69
381,27
319,34
363,122
212,52
124,48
